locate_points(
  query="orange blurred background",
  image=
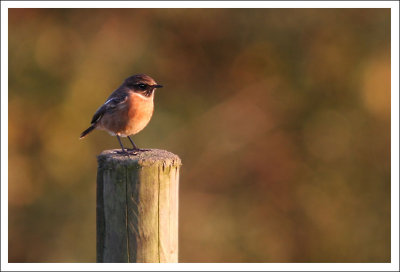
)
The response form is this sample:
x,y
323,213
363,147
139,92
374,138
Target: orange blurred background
x,y
281,118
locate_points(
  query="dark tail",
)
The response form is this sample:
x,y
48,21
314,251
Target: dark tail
x,y
87,131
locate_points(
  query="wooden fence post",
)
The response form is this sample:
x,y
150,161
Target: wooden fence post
x,y
137,207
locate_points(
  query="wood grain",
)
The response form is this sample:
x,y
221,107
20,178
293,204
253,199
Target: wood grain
x,y
137,206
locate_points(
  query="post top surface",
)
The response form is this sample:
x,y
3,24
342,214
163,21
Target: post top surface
x,y
141,157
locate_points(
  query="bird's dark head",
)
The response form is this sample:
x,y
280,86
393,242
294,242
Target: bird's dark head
x,y
142,84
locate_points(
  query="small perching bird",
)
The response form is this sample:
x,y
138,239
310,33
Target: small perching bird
x,y
127,110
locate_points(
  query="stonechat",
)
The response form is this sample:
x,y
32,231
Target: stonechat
x,y
127,110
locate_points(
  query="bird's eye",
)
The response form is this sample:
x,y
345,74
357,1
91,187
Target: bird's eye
x,y
142,86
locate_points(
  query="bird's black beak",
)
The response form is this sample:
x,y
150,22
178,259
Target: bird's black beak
x,y
157,86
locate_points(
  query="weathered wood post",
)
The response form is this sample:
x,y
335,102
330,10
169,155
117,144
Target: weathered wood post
x,y
137,207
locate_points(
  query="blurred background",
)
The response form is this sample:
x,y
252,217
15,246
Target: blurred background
x,y
281,118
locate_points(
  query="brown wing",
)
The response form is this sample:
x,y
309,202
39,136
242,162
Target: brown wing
x,y
108,106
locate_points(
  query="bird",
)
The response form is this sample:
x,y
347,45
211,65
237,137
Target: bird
x,y
128,109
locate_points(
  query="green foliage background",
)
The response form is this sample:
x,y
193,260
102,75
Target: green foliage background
x,y
281,118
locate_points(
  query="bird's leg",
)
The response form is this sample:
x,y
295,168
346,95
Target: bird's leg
x,y
133,144
119,140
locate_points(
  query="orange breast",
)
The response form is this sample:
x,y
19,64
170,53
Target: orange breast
x,y
129,117
139,113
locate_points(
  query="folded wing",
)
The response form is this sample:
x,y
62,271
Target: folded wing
x,y
109,106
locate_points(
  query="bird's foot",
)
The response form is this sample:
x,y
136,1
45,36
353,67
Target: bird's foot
x,y
138,150
122,152
131,151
